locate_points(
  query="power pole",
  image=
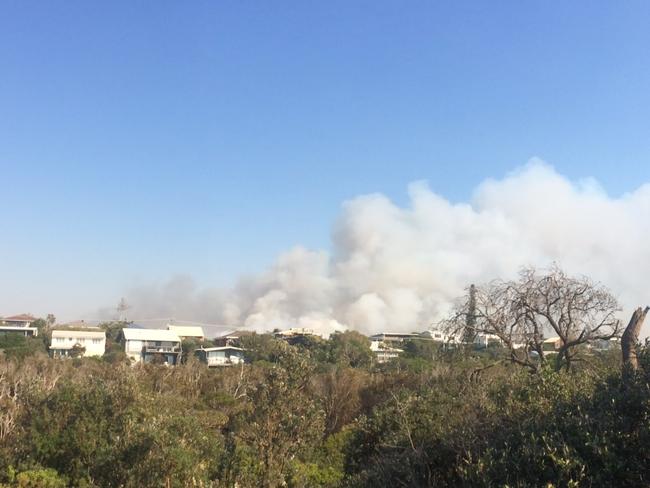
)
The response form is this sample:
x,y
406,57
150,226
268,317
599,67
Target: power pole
x,y
122,307
470,318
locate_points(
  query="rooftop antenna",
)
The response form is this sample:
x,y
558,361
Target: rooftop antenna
x,y
122,307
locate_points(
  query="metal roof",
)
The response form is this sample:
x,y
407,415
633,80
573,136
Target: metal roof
x,y
150,335
90,334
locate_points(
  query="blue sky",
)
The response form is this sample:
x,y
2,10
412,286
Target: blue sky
x,y
143,139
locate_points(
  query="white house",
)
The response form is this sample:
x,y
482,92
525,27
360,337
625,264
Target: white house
x,y
92,340
484,340
24,331
220,356
293,332
18,324
383,352
22,320
437,335
187,331
147,345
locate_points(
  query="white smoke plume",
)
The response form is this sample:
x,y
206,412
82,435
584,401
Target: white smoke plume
x,y
400,269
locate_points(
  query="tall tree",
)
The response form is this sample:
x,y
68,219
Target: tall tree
x,y
522,313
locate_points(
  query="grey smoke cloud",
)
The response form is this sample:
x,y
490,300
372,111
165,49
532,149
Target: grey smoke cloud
x,y
401,268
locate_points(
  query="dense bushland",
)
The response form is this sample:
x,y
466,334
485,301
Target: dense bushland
x,y
322,414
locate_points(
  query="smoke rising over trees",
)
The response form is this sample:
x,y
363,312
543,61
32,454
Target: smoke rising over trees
x,y
402,267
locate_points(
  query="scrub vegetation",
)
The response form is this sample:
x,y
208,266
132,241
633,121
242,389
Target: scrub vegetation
x,y
324,413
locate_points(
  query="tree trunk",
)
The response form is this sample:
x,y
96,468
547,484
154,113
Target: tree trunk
x,y
631,337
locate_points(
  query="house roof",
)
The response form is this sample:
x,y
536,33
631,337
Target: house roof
x,y
150,335
73,334
187,330
23,317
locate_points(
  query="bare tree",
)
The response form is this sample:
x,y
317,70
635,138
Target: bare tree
x,y
523,312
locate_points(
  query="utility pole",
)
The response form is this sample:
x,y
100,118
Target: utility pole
x,y
470,318
122,307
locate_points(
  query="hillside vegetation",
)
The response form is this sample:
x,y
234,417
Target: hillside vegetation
x,y
322,414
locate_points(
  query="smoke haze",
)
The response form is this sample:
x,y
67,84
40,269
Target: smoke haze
x,y
401,268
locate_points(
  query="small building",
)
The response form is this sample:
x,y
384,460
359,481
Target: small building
x,y
552,344
151,345
384,352
187,331
220,356
92,340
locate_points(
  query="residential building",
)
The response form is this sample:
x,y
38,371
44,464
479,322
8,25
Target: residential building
x,y
151,345
22,320
294,331
552,344
232,339
484,340
395,337
437,335
64,341
187,331
220,356
297,335
384,352
19,330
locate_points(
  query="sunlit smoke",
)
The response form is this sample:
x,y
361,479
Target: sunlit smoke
x,y
401,268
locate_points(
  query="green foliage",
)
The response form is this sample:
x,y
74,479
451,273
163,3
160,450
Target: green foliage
x,y
279,420
350,348
20,347
189,346
261,347
37,478
319,414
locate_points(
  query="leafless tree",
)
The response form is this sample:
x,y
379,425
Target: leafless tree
x,y
538,305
